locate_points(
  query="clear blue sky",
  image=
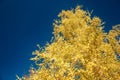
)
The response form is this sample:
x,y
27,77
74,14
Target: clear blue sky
x,y
25,23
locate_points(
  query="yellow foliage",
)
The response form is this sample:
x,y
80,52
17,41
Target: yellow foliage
x,y
80,50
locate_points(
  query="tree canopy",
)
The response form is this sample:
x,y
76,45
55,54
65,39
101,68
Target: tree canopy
x,y
79,50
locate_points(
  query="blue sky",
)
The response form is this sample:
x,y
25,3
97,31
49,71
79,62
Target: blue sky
x,y
25,23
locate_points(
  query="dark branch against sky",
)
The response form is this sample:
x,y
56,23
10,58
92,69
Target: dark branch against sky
x,y
26,23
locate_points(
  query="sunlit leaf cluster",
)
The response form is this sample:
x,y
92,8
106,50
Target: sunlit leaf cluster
x,y
79,50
